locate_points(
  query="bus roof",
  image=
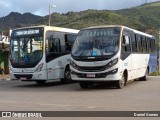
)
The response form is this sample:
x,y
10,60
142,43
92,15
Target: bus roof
x,y
60,29
120,26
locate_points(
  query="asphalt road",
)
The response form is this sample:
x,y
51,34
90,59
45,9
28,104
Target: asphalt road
x,y
54,96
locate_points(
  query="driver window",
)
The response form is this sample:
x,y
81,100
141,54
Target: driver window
x,y
53,45
126,43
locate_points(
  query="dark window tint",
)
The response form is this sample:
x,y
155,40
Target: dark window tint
x,y
134,44
69,40
126,43
139,41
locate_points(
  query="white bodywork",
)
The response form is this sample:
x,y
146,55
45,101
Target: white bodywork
x,y
135,64
53,69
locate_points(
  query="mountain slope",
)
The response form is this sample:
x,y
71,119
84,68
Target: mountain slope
x,y
15,19
148,14
143,17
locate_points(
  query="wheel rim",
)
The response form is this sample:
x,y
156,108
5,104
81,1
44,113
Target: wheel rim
x,y
147,74
122,81
67,75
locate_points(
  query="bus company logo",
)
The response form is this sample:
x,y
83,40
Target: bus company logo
x,y
6,114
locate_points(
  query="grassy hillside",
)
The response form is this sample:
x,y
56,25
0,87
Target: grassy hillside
x,y
148,15
93,17
145,18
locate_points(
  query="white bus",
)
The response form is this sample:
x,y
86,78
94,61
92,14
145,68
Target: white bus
x,y
112,53
41,53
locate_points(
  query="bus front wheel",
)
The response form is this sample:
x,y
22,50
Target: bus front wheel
x,y
121,83
67,76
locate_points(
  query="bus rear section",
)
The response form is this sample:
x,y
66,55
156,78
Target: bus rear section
x,y
41,53
114,54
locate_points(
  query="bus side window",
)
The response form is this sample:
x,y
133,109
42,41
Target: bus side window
x,y
134,43
69,40
126,43
147,45
55,45
144,43
141,43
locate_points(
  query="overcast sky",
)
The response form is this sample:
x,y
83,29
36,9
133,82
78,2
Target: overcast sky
x,y
41,7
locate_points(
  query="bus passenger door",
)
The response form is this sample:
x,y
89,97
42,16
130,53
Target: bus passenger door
x,y
53,54
126,55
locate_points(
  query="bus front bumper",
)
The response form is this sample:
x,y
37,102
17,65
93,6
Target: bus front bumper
x,y
27,76
96,77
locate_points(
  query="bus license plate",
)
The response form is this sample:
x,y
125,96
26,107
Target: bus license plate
x,y
23,78
91,75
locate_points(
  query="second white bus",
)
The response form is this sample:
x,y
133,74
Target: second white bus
x,y
41,53
112,53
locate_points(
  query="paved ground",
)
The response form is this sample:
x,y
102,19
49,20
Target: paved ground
x,y
54,96
4,77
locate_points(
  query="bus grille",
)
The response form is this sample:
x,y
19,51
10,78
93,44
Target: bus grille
x,y
91,69
28,76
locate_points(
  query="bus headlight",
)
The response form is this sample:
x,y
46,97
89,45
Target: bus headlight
x,y
112,63
39,68
115,61
72,63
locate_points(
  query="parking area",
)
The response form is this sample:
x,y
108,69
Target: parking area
x,y
54,96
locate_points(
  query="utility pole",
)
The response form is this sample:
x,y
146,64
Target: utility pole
x,y
49,20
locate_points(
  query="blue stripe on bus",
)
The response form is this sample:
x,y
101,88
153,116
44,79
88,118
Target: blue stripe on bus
x,y
153,62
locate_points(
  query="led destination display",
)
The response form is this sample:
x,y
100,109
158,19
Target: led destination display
x,y
25,32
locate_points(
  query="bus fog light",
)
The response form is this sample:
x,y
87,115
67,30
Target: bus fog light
x,y
114,71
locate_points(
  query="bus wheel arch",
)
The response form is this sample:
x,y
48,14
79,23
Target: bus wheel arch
x,y
145,77
122,82
67,76
148,68
125,76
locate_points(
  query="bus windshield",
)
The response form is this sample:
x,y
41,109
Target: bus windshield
x,y
96,42
26,48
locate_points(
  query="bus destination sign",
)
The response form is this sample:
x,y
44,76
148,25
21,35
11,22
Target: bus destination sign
x,y
25,32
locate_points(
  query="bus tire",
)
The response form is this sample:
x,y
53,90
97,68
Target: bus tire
x,y
144,78
84,85
40,82
121,83
67,76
